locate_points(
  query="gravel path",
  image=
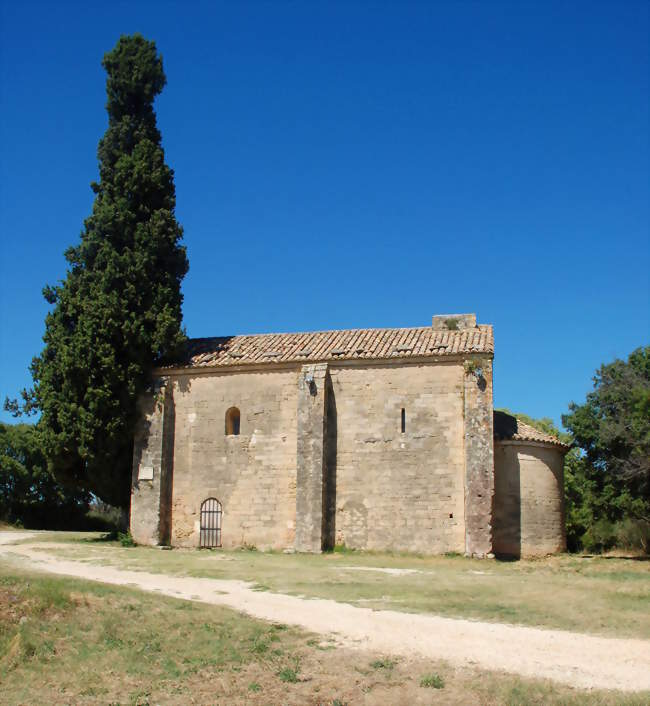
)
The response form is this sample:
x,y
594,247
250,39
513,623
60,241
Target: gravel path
x,y
579,660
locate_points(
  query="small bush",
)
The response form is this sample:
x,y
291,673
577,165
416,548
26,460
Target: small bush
x,y
432,681
254,686
474,367
384,663
451,324
633,534
125,539
288,675
600,537
260,647
342,549
103,519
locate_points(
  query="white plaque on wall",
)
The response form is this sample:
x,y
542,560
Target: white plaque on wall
x,y
145,473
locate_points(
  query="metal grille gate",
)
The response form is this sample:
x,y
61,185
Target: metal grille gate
x,y
210,534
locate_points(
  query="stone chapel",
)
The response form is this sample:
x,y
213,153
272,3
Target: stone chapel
x,y
381,439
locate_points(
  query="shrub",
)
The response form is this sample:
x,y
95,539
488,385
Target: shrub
x,y
633,534
342,549
288,675
125,539
600,537
432,681
383,663
102,517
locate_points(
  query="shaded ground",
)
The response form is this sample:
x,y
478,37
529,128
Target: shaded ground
x,y
575,659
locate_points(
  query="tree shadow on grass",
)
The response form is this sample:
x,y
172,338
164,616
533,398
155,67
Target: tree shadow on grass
x,y
632,557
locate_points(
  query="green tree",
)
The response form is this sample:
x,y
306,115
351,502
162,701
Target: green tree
x,y
613,429
608,484
117,313
28,492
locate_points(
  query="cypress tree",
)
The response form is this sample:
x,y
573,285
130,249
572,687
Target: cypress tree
x,y
117,313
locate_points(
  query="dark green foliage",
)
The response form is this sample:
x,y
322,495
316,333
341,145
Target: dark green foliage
x,y
125,539
29,495
608,486
118,311
577,511
103,517
613,426
289,675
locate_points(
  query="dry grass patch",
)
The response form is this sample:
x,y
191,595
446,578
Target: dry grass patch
x,y
67,641
606,596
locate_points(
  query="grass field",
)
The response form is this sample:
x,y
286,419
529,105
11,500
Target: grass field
x,y
65,641
598,595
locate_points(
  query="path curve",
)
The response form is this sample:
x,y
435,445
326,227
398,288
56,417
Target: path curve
x,y
583,661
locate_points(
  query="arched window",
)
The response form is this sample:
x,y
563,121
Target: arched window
x,y
232,422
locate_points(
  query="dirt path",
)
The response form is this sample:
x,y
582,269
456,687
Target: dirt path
x,y
583,661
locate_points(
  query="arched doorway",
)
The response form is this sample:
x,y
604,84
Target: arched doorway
x,y
210,532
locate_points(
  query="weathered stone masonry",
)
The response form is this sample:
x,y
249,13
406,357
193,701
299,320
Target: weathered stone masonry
x,y
153,466
529,485
311,457
479,457
403,490
376,439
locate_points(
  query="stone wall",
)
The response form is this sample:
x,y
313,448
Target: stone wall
x,y
153,466
253,475
529,499
479,456
374,456
394,490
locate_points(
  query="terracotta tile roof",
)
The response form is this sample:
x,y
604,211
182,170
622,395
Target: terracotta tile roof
x,y
352,344
509,428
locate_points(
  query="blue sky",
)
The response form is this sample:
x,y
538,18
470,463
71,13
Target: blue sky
x,y
357,164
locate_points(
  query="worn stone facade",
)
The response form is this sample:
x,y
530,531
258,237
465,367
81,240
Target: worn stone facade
x,y
252,474
375,439
394,488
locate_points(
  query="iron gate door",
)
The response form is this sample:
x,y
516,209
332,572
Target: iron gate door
x,y
210,534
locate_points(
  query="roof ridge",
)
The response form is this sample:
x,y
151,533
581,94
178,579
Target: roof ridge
x,y
341,330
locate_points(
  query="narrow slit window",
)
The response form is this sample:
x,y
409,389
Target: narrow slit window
x,y
403,420
232,422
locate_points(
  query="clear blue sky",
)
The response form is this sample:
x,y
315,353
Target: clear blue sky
x,y
346,164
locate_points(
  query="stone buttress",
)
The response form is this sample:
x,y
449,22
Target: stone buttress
x,y
153,453
311,475
479,457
